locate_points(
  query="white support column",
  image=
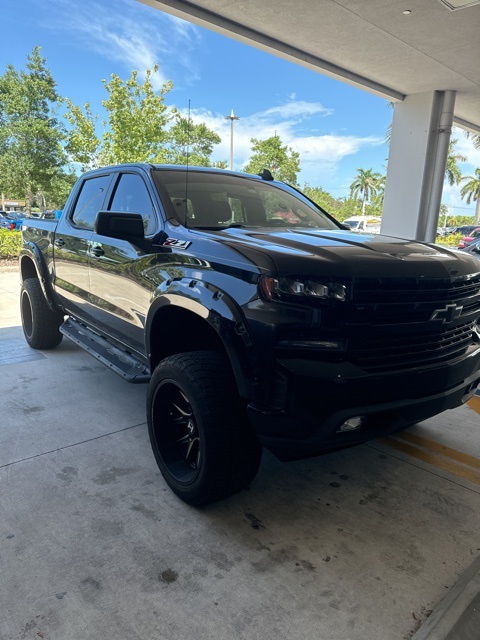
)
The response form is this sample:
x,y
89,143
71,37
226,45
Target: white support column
x,y
421,129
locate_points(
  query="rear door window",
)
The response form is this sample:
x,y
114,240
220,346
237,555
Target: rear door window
x,y
90,201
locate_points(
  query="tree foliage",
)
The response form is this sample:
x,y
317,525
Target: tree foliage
x,y
31,151
190,143
282,161
475,137
453,175
366,185
139,127
82,144
137,120
471,192
321,197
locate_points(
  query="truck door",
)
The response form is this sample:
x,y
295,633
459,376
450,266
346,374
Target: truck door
x,y
72,238
119,294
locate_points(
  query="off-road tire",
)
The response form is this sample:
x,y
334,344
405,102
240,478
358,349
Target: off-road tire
x,y
40,324
201,439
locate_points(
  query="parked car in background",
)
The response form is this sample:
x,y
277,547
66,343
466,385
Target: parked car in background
x,y
363,224
4,221
473,248
15,219
466,240
465,229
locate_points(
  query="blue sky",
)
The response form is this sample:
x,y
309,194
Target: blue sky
x,y
335,127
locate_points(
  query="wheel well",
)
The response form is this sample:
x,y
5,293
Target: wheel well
x,y
175,330
28,269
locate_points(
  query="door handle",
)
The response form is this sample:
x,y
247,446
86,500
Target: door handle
x,y
59,242
97,251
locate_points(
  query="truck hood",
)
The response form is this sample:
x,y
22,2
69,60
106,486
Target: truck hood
x,y
345,254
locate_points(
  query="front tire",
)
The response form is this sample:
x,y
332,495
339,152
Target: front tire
x,y
198,430
40,324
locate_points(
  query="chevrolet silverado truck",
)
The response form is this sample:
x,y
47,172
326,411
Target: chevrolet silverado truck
x,y
256,319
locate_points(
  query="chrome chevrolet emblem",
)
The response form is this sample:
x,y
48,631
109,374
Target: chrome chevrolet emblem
x,y
448,313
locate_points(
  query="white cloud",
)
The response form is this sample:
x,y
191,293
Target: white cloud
x,y
320,154
135,39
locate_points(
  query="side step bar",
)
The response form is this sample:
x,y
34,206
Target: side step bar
x,y
123,363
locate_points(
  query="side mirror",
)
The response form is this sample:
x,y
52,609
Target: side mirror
x,y
476,248
346,226
124,226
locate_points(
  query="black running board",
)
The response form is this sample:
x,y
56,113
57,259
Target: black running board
x,y
121,362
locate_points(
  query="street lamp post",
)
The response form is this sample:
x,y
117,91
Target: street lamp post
x,y
231,117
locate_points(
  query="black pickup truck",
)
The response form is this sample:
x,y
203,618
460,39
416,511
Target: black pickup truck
x,y
255,317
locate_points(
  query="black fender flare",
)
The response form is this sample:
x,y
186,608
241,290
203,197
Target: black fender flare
x,y
31,252
222,313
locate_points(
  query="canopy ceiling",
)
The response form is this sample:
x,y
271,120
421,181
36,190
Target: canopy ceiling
x,y
369,43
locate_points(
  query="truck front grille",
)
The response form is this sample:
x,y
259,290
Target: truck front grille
x,y
405,301
411,322
382,353
408,290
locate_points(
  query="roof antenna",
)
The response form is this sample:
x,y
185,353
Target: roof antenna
x,y
266,175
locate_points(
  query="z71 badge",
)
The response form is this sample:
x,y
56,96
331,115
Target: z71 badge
x,y
175,242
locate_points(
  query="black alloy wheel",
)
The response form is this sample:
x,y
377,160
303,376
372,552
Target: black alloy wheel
x,y
201,439
179,438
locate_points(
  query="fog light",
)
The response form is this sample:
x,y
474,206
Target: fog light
x,y
351,424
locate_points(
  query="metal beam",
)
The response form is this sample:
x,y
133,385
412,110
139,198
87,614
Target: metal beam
x,y
216,22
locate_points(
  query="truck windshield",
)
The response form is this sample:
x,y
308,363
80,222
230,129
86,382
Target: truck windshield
x,y
217,201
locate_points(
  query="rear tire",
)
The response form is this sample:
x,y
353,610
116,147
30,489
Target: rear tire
x,y
40,324
199,433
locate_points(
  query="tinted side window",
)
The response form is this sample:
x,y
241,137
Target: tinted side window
x,y
90,201
131,195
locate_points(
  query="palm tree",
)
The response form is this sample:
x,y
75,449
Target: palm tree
x,y
366,185
471,192
475,139
453,174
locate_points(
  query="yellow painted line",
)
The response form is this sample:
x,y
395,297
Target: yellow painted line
x,y
441,449
448,459
474,403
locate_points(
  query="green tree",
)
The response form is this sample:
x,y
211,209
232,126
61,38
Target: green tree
x,y
190,143
31,151
221,164
135,129
137,120
453,173
139,127
321,197
475,139
347,207
471,192
60,187
83,144
281,160
366,185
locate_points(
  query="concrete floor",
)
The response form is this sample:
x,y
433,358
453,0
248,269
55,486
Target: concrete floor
x,y
358,544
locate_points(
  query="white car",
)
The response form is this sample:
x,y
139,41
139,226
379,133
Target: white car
x,y
364,224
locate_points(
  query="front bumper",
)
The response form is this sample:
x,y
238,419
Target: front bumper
x,y
320,397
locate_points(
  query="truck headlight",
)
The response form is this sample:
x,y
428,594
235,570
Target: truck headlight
x,y
285,287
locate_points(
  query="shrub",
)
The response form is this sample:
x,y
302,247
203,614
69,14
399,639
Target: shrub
x,y
10,243
450,241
